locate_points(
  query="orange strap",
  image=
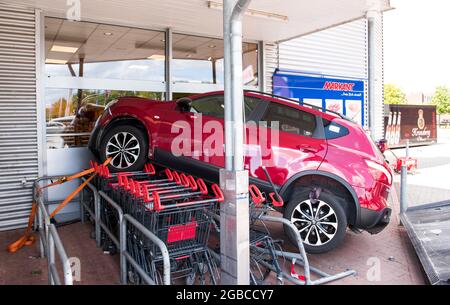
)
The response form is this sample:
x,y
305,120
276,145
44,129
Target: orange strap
x,y
70,197
27,239
69,178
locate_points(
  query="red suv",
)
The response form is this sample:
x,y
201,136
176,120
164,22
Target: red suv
x,y
328,170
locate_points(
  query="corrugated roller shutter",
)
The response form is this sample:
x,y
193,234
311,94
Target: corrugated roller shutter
x,y
18,116
337,51
341,51
271,62
379,79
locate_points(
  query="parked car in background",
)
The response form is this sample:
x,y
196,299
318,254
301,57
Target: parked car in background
x,y
329,172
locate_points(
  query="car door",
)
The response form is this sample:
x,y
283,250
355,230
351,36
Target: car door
x,y
171,124
212,111
293,142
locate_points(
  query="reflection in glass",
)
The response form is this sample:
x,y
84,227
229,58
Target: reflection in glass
x,y
200,60
69,123
85,49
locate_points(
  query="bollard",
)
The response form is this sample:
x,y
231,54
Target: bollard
x,y
407,149
403,185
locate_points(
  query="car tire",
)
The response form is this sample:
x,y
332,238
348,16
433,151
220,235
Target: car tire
x,y
127,145
331,229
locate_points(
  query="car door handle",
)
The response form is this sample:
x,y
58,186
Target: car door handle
x,y
307,148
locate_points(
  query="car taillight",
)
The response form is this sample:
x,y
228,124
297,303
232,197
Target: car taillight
x,y
379,172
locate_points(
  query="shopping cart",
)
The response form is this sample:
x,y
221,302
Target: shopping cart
x,y
262,246
183,223
174,206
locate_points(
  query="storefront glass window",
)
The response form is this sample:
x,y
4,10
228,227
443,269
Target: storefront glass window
x,y
200,60
101,51
70,123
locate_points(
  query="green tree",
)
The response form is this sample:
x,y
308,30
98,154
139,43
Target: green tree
x,y
441,99
393,95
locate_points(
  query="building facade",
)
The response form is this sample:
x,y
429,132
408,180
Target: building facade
x,y
57,74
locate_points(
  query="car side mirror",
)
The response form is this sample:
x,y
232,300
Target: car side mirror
x,y
383,145
184,104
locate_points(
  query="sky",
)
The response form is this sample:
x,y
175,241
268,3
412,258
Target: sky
x,y
417,45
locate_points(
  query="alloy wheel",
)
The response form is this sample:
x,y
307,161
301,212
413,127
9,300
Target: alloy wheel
x,y
124,149
316,222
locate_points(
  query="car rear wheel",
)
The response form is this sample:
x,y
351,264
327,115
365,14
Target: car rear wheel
x,y
322,223
127,146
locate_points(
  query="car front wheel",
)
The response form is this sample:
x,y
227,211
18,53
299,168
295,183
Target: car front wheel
x,y
126,146
321,222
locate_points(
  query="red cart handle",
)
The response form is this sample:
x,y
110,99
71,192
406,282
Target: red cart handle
x,y
192,183
157,202
277,201
157,206
146,194
149,168
184,180
125,183
176,177
131,186
120,180
107,173
202,186
256,194
101,171
217,192
137,189
168,174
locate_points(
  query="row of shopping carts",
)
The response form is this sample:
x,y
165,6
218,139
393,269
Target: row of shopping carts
x,y
181,210
176,207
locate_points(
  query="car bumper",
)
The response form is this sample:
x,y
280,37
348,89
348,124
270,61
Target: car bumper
x,y
374,221
375,211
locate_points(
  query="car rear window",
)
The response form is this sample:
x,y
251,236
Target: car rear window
x,y
334,130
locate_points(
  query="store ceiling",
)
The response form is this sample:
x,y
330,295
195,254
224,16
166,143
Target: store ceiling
x,y
298,17
99,43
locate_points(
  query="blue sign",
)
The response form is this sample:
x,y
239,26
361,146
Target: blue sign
x,y
340,95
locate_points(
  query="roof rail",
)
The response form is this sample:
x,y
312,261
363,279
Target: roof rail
x,y
296,102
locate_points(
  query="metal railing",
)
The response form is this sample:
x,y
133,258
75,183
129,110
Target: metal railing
x,y
126,257
124,220
301,257
49,240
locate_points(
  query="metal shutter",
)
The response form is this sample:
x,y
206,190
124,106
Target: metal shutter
x,y
18,115
271,62
338,51
379,80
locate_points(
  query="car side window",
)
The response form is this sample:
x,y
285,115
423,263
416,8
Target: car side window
x,y
250,104
214,105
290,120
209,105
334,130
